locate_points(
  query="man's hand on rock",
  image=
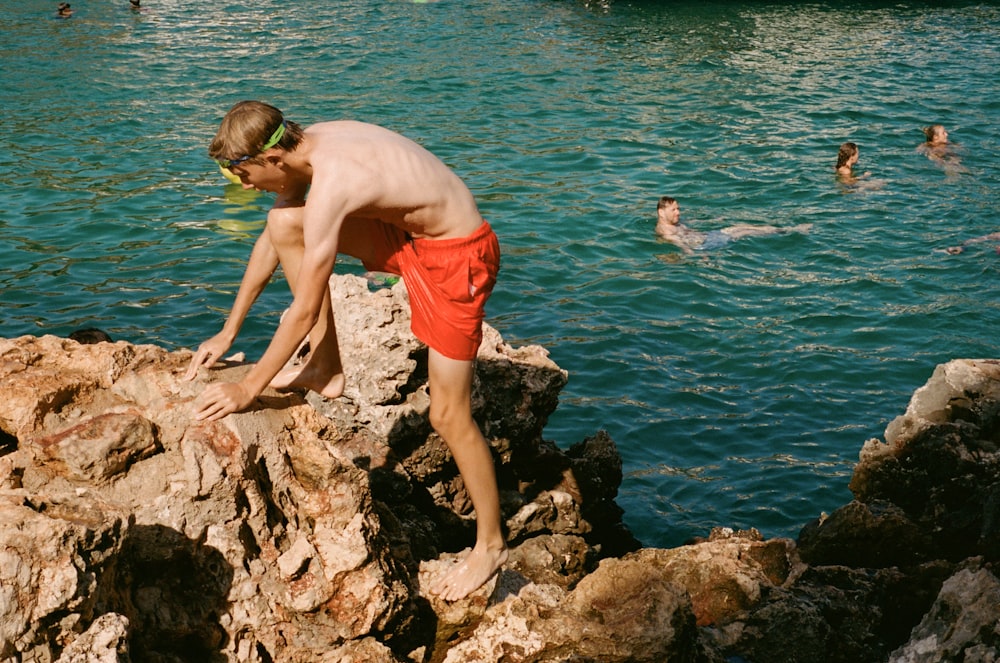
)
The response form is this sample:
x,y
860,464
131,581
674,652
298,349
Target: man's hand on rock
x,y
220,399
207,354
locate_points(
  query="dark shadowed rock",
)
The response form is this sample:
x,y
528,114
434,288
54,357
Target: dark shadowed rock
x,y
962,625
940,462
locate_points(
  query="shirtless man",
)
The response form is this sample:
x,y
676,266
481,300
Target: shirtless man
x,y
670,228
378,196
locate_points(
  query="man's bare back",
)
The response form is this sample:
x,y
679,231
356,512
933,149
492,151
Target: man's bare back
x,y
389,177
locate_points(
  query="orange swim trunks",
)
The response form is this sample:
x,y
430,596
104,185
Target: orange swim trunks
x,y
448,281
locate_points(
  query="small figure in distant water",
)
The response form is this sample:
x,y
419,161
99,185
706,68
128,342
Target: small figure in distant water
x,y
938,149
937,141
846,158
992,237
135,4
64,10
90,335
669,227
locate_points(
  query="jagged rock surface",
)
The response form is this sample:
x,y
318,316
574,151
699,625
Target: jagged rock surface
x,y
304,530
294,531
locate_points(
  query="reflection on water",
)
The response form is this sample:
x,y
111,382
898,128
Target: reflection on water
x,y
739,384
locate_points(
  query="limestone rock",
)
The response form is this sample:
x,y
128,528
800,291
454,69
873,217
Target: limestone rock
x,y
105,641
931,490
305,530
293,531
725,575
620,612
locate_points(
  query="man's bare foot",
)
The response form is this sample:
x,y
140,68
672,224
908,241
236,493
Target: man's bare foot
x,y
470,574
307,377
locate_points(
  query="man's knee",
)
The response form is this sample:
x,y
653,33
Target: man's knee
x,y
440,416
449,420
285,228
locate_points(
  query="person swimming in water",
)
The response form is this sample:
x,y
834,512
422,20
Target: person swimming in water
x,y
847,156
938,149
960,248
670,228
936,144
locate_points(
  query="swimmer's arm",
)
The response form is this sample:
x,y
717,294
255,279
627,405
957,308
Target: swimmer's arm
x,y
261,265
679,242
992,237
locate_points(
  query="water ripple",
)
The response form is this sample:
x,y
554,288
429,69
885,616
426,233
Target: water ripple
x,y
739,384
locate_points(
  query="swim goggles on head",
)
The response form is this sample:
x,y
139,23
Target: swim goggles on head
x,y
271,142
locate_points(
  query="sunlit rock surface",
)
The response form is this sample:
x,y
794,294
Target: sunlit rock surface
x,y
307,529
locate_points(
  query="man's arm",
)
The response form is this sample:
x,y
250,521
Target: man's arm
x,y
260,267
311,288
324,216
686,239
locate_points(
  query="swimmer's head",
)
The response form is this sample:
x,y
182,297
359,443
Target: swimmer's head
x,y
936,134
668,211
249,129
90,336
848,151
664,202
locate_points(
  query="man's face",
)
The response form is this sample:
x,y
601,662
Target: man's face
x,y
670,213
260,176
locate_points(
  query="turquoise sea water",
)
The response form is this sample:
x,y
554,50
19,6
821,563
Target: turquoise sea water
x,y
739,384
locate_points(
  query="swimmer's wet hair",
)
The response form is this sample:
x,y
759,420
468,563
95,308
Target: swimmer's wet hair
x,y
847,150
930,130
246,128
90,335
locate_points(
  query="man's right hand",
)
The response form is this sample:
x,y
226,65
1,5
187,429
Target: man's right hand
x,y
208,353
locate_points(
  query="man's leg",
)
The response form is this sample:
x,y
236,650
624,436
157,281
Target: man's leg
x,y
748,230
450,382
322,371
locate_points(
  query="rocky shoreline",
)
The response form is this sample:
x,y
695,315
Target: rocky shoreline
x,y
305,530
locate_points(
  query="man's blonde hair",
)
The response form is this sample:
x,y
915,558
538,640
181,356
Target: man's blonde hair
x,y
247,127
